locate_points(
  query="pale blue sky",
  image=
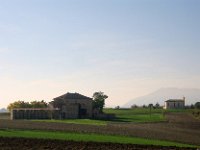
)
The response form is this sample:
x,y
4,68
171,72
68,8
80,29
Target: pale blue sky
x,y
126,48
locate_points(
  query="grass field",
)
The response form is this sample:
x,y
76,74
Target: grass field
x,y
87,137
135,124
78,121
137,115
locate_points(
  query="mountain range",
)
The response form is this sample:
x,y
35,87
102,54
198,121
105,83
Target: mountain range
x,y
3,110
160,96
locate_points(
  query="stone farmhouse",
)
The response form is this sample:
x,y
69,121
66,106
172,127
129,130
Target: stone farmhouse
x,y
69,105
73,105
175,104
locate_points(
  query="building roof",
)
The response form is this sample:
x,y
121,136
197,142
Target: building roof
x,y
35,109
175,100
72,96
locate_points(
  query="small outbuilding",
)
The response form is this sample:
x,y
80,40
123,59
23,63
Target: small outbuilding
x,y
175,104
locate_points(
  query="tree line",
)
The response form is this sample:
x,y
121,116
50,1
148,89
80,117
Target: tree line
x,y
157,105
98,103
23,104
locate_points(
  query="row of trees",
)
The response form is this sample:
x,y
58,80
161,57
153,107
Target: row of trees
x,y
23,104
98,103
157,105
192,106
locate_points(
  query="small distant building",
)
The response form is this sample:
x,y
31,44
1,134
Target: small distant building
x,y
175,104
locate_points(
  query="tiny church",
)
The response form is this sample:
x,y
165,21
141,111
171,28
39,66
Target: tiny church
x,y
175,104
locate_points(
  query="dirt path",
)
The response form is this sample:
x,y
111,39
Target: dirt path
x,y
36,144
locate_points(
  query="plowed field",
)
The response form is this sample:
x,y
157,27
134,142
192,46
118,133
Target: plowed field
x,y
180,127
40,144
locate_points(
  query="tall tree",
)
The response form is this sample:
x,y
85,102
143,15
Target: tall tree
x,y
99,100
150,108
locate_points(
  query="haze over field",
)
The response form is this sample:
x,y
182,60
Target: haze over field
x,y
126,49
192,96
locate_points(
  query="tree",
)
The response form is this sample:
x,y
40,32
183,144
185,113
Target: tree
x,y
197,105
38,104
117,107
144,106
134,106
22,104
150,107
99,101
157,105
18,104
192,106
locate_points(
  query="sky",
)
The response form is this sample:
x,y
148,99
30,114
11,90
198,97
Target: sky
x,y
124,48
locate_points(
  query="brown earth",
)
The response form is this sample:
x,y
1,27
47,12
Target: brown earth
x,y
41,144
180,127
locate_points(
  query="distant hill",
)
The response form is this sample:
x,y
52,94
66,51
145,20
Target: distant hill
x,y
192,96
3,110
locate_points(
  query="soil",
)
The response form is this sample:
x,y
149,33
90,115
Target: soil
x,y
180,127
41,144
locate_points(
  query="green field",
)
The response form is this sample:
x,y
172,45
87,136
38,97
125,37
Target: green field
x,y
137,115
78,121
86,137
133,111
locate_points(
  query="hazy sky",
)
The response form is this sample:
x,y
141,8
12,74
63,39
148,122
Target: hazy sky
x,y
125,48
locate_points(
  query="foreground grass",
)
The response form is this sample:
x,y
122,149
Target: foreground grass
x,y
86,137
78,121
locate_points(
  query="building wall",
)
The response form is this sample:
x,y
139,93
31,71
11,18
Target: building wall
x,y
72,108
34,114
85,104
69,111
174,105
60,109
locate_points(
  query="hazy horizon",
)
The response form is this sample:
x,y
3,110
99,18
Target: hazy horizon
x,y
126,49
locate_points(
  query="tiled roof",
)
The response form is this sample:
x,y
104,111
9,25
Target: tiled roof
x,y
72,96
175,100
35,109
